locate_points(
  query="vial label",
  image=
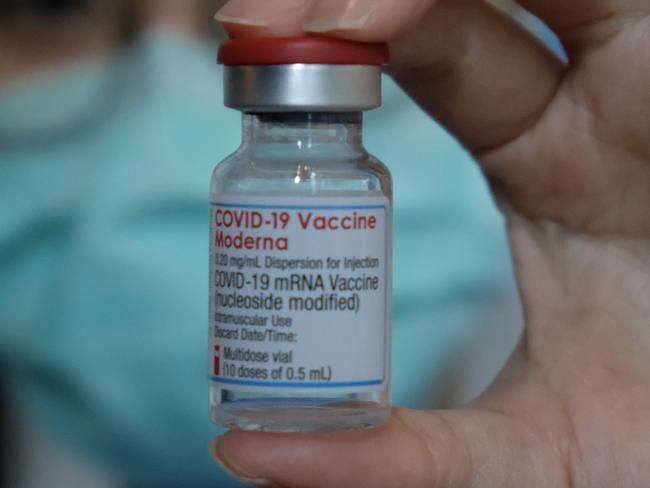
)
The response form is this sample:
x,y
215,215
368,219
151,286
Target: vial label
x,y
300,293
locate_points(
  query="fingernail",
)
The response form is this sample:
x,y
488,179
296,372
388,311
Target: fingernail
x,y
339,15
232,470
256,12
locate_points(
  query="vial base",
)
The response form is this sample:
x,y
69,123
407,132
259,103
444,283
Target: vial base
x,y
260,412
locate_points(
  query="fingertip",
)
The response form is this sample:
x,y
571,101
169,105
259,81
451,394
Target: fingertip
x,y
365,20
219,450
270,18
319,25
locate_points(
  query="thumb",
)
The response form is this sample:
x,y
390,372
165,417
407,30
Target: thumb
x,y
412,449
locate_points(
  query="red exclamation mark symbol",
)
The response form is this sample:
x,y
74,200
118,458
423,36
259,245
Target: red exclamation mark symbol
x,y
216,364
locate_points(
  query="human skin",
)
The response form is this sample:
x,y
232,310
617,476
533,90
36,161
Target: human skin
x,y
566,150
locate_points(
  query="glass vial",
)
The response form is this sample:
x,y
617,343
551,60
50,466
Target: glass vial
x,y
300,243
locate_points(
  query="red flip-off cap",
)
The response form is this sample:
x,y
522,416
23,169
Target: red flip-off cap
x,y
304,50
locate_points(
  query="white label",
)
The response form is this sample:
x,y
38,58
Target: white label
x,y
300,293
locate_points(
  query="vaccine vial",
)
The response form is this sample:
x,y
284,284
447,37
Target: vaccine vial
x,y
300,242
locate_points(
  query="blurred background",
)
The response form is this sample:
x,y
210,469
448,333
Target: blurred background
x,y
111,122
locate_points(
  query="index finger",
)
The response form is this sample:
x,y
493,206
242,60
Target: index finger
x,y
369,21
579,23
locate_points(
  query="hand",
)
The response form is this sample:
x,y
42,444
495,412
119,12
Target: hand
x,y
566,149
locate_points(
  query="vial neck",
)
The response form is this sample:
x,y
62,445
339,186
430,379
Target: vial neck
x,y
303,130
